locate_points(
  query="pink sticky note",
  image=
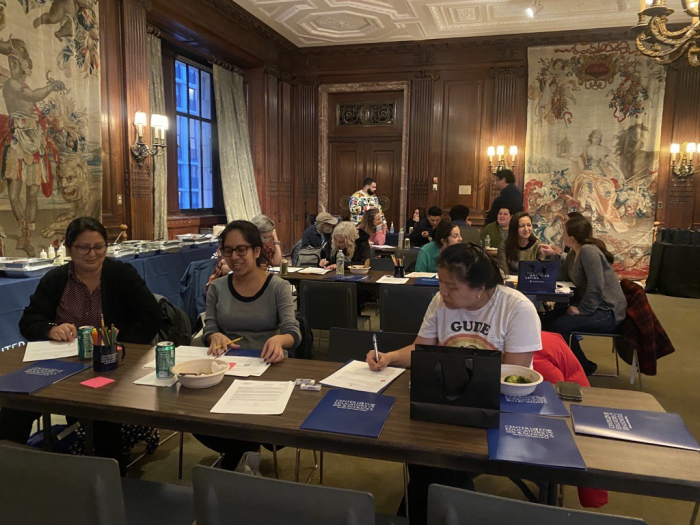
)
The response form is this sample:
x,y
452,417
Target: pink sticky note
x,y
97,382
231,365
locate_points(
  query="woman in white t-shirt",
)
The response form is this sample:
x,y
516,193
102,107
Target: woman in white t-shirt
x,y
475,310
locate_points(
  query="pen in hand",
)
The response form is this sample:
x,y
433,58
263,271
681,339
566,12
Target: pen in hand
x,y
376,352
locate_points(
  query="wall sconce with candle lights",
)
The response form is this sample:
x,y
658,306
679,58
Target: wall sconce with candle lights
x,y
140,150
683,168
500,153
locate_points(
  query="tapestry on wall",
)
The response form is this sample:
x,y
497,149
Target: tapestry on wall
x,y
593,134
50,136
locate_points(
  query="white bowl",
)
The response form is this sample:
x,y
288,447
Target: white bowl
x,y
358,270
210,372
519,389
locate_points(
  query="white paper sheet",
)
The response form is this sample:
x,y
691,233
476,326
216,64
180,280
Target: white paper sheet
x,y
244,366
387,279
419,275
290,269
38,350
356,375
152,380
255,397
384,247
186,353
314,271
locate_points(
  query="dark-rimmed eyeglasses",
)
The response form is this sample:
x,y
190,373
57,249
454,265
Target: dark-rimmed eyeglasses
x,y
241,250
84,249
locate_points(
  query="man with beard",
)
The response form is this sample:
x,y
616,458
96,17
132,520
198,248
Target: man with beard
x,y
364,199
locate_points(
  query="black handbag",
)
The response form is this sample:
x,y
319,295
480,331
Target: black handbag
x,y
457,386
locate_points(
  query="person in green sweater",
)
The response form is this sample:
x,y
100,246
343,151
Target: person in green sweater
x,y
497,231
446,233
521,244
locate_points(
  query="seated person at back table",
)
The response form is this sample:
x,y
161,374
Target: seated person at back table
x,y
472,309
352,242
521,244
372,225
496,231
79,294
252,304
418,214
272,247
446,234
422,232
319,233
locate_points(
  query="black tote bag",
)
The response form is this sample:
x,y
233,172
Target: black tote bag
x,y
457,386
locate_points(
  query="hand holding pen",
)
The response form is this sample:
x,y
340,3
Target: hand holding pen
x,y
219,344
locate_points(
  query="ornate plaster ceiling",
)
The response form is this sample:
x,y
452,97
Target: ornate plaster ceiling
x,y
309,23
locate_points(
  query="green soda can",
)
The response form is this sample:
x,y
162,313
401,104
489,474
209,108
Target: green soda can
x,y
165,359
85,342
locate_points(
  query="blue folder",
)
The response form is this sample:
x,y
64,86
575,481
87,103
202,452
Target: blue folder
x,y
352,278
641,426
244,352
350,412
544,401
426,281
536,440
39,375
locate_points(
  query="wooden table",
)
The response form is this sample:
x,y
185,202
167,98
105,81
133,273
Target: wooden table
x,y
613,465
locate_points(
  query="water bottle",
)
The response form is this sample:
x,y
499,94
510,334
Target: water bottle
x,y
391,230
487,242
401,236
340,263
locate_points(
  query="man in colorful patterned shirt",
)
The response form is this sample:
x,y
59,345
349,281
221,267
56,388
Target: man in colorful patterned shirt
x,y
364,199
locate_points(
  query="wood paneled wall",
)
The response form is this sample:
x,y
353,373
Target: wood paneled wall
x,y
465,95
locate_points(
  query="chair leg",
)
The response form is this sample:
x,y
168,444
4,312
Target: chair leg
x,y
274,461
313,470
296,465
320,467
180,454
695,513
48,438
405,487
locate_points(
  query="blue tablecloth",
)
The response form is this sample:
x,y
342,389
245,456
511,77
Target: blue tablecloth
x,y
162,274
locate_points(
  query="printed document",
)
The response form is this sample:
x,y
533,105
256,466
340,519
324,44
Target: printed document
x,y
186,353
387,279
418,275
255,397
244,366
314,271
356,375
39,350
152,380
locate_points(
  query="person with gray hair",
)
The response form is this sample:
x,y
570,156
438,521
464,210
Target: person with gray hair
x,y
272,247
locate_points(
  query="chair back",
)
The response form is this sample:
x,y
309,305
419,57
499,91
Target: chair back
x,y
43,487
305,350
410,258
470,235
175,326
222,497
345,344
401,308
451,506
384,264
325,305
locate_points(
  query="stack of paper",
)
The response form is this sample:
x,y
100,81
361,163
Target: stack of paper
x,y
290,269
356,375
314,271
386,279
255,397
416,275
186,353
244,366
38,350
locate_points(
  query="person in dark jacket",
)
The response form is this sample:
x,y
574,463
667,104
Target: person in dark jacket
x,y
352,242
79,294
319,233
510,196
424,231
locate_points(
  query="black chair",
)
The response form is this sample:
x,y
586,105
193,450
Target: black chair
x,y
410,258
80,490
327,305
384,264
346,344
613,337
221,496
401,308
451,506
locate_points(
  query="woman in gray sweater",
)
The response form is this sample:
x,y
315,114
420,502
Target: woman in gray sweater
x,y
248,303
603,305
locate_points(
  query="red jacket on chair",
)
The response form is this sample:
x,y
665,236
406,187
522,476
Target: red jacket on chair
x,y
556,362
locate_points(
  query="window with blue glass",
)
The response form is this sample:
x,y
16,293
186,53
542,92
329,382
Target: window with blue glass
x,y
195,129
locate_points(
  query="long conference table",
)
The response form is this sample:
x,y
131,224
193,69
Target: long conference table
x,y
612,465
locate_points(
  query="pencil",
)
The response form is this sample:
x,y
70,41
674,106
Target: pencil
x,y
230,342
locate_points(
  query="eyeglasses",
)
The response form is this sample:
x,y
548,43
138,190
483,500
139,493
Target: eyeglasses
x,y
241,250
84,249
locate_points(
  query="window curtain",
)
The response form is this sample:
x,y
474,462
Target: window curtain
x,y
237,177
156,94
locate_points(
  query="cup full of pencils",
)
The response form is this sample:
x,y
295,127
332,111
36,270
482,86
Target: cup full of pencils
x,y
104,350
399,270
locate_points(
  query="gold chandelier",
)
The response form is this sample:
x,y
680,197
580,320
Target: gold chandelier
x,y
656,41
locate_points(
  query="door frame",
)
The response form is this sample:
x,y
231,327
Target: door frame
x,y
323,147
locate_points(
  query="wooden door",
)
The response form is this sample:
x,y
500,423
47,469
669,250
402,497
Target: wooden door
x,y
383,164
345,174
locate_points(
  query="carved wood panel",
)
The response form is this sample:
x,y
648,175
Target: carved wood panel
x,y
419,151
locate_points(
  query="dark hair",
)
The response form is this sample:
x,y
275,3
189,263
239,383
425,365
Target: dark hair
x,y
443,231
510,210
421,212
435,211
459,212
506,174
368,181
573,214
471,264
367,222
83,224
512,247
250,234
581,229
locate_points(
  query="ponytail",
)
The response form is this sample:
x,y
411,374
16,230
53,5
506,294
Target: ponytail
x,y
471,264
581,229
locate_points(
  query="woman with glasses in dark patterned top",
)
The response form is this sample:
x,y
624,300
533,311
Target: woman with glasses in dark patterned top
x,y
78,294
